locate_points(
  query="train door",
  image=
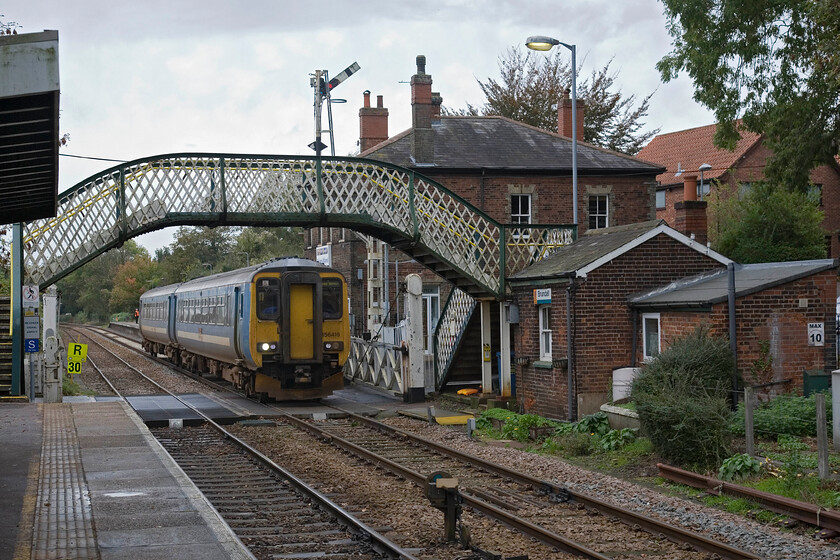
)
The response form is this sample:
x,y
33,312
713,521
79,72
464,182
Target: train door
x,y
303,320
237,321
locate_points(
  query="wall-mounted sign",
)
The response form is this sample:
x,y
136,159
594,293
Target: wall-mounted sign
x,y
816,334
542,295
323,254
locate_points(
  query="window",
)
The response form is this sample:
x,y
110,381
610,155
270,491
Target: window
x,y
268,298
545,332
744,189
598,211
520,208
660,200
650,335
815,193
331,298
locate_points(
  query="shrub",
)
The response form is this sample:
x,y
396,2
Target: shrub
x,y
616,439
595,424
784,415
576,443
739,466
681,398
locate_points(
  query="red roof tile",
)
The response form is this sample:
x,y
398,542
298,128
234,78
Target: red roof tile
x,y
687,150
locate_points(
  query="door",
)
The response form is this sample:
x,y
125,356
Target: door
x,y
302,321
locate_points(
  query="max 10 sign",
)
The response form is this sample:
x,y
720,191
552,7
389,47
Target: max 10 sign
x,y
816,334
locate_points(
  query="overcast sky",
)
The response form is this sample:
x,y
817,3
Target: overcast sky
x,y
152,76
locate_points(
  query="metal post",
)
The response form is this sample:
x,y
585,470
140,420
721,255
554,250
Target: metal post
x,y
17,315
749,428
822,438
504,363
574,133
486,363
733,341
835,405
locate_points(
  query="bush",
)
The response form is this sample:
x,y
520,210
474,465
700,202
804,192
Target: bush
x,y
596,424
681,398
784,415
616,439
739,466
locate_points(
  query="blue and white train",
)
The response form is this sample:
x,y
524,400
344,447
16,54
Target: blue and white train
x,y
279,329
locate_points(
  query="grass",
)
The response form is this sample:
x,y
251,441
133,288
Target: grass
x,y
70,388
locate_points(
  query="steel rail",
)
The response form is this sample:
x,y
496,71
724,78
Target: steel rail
x,y
805,512
541,534
376,540
562,493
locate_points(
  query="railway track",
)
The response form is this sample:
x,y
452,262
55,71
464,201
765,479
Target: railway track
x,y
274,513
536,508
578,524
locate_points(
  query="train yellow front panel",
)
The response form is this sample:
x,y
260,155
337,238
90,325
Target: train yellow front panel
x,y
301,321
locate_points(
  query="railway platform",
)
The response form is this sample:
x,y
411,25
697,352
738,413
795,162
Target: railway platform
x,y
86,479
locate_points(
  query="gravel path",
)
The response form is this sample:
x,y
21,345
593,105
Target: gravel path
x,y
768,542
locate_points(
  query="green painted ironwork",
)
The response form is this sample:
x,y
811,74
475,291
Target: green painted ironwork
x,y
394,204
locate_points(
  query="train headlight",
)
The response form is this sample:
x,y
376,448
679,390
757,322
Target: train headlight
x,y
334,346
267,346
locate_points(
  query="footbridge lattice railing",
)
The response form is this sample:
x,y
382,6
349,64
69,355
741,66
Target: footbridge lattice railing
x,y
239,190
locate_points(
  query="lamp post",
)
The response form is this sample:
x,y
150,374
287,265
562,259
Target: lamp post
x,y
542,43
247,257
704,167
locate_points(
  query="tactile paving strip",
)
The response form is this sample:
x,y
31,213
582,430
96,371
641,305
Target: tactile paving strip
x,y
63,525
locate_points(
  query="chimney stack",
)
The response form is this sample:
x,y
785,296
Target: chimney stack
x,y
691,213
564,116
373,123
422,109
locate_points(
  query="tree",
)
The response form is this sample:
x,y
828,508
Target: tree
x,y
532,85
131,279
769,224
774,63
196,251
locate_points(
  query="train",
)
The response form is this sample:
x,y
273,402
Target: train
x,y
276,330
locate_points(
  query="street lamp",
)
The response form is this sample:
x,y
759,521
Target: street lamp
x,y
704,167
247,257
208,265
542,43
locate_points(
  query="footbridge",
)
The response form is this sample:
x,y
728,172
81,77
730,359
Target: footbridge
x,y
396,205
399,206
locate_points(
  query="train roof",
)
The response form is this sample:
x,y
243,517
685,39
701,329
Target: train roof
x,y
238,276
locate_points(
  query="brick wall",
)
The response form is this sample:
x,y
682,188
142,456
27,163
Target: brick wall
x,y
771,324
603,323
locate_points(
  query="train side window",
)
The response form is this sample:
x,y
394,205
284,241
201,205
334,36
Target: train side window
x,y
331,298
268,298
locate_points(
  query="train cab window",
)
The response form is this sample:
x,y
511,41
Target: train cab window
x,y
268,298
332,298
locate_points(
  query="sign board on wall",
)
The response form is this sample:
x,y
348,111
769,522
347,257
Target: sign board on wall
x,y
542,296
816,334
323,254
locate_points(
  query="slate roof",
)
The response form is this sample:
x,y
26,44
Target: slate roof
x,y
689,149
494,142
599,246
708,289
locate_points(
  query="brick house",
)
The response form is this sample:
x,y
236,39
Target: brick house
x,y
511,171
684,152
613,298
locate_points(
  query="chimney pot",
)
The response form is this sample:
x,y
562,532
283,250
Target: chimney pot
x,y
690,187
421,64
367,98
379,102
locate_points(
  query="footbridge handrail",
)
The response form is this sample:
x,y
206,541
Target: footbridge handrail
x,y
387,201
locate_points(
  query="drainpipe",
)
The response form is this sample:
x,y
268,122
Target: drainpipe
x,y
570,363
635,338
733,346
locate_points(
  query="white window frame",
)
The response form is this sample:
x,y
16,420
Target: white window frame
x,y
605,215
544,313
664,196
645,316
520,217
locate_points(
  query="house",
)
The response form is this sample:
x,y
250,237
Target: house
x,y
617,296
513,172
690,155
